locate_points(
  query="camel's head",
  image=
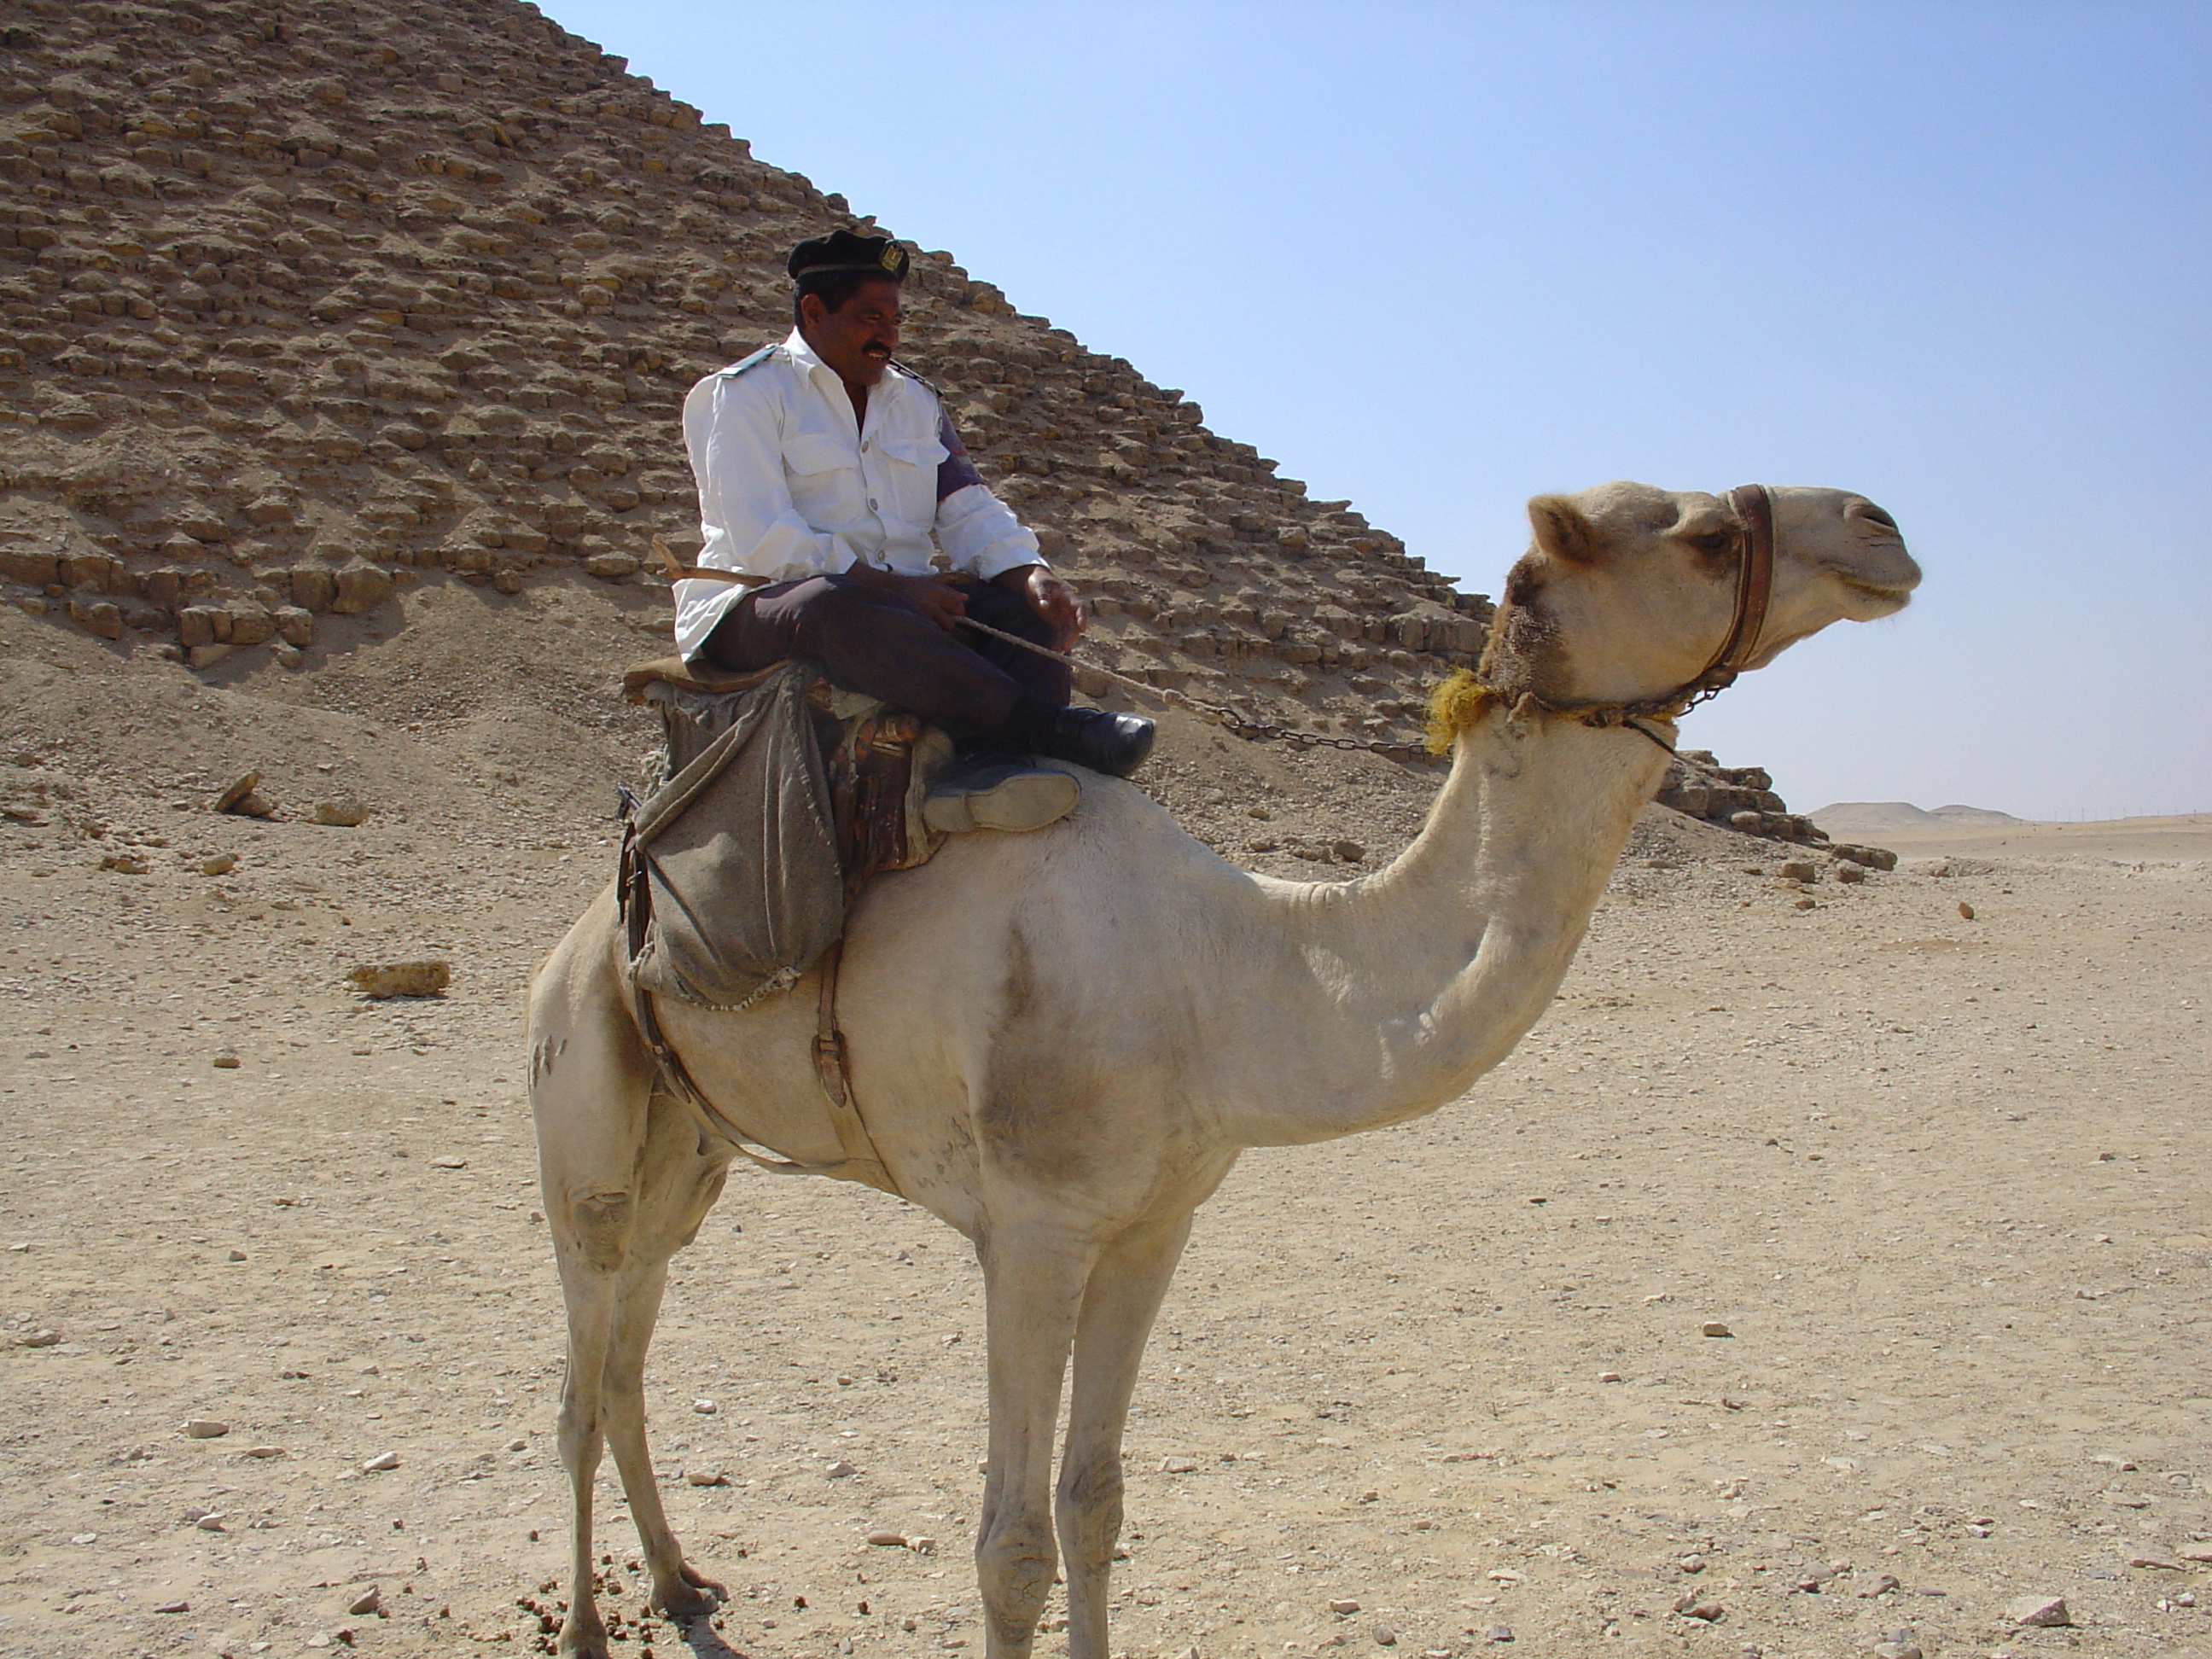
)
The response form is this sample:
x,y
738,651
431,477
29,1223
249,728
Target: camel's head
x,y
1629,591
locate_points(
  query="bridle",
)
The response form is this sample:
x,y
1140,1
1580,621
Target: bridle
x,y
1753,507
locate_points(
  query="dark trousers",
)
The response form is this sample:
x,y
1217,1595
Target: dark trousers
x,y
876,643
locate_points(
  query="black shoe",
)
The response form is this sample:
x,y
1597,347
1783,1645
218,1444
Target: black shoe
x,y
1115,745
998,791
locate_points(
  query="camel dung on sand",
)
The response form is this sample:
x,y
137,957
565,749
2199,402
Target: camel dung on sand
x,y
1061,1041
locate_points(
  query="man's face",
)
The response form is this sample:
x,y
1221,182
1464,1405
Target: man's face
x,y
859,338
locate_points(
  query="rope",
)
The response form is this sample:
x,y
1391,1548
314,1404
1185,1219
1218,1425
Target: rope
x,y
1220,713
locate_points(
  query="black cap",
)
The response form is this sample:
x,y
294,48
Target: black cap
x,y
840,250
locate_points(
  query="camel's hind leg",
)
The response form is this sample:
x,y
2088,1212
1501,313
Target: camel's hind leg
x,y
1119,1305
624,1185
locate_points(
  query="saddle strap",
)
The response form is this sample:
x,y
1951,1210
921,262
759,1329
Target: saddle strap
x,y
833,1070
859,1163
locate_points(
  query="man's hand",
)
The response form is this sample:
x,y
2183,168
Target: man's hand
x,y
933,596
1051,599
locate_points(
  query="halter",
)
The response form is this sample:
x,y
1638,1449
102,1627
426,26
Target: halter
x,y
1753,507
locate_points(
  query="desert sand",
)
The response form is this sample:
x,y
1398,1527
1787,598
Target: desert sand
x,y
1941,1180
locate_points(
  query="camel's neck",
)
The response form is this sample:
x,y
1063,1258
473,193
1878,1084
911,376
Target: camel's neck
x,y
1429,972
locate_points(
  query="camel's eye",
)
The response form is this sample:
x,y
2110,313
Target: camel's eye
x,y
1713,541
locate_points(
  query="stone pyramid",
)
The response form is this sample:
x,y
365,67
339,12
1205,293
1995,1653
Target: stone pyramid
x,y
308,300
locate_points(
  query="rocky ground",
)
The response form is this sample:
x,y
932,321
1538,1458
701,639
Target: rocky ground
x,y
1939,1179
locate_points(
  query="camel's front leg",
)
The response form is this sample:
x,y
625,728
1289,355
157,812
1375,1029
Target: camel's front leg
x,y
680,1186
1033,1285
1124,1295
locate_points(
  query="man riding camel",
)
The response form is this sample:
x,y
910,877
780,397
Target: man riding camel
x,y
825,466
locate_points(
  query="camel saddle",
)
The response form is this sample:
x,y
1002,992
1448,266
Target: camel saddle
x,y
780,797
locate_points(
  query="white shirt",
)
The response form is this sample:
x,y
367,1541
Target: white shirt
x,y
790,485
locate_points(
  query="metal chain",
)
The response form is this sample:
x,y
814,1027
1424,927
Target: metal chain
x,y
1220,713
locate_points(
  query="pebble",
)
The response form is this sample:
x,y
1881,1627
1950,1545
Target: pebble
x,y
1499,1633
1385,1637
235,1255
382,1460
226,1060
345,812
1966,911
1879,1583
367,1601
1608,1377
1848,871
264,1451
218,863
41,1339
174,1607
1693,1606
1798,870
210,1524
841,1469
1692,1564
2037,1612
206,1428
925,1545
1805,904
518,1444
889,1540
449,1162
1178,1466
1714,1328
124,864
1346,1606
705,1478
705,1408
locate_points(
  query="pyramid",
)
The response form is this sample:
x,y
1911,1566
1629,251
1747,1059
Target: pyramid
x,y
305,302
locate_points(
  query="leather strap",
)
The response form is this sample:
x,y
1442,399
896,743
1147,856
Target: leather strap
x,y
1753,506
833,1070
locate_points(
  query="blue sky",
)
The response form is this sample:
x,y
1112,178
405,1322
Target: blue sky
x,y
1439,257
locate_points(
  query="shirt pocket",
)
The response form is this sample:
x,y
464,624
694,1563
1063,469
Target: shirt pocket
x,y
808,456
909,467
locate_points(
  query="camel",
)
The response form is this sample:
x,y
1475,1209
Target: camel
x,y
1061,1041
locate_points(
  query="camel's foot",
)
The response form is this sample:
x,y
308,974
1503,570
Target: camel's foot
x,y
583,1634
690,1595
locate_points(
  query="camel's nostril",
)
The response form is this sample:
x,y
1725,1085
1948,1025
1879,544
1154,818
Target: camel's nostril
x,y
1866,509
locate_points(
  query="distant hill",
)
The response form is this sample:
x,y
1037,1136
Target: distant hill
x,y
1865,817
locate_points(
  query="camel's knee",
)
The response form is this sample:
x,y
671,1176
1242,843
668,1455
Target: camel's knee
x,y
1014,1564
1089,1502
599,1227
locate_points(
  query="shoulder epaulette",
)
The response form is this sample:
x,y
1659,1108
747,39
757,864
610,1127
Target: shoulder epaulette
x,y
738,368
922,381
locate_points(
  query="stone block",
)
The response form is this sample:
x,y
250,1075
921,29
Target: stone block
x,y
361,587
197,625
250,624
98,616
314,588
295,625
22,564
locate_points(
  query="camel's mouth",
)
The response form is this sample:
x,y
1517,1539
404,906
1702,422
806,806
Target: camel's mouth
x,y
1892,596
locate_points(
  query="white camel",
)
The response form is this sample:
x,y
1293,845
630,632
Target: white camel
x,y
1061,1041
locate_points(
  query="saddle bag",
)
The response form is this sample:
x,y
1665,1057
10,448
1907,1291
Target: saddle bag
x,y
782,796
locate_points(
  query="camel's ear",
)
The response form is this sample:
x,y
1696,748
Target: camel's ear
x,y
1562,531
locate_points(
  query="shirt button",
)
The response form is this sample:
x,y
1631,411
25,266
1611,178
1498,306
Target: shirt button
x,y
872,503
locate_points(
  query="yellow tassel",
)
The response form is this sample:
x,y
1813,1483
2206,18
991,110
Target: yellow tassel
x,y
1455,705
